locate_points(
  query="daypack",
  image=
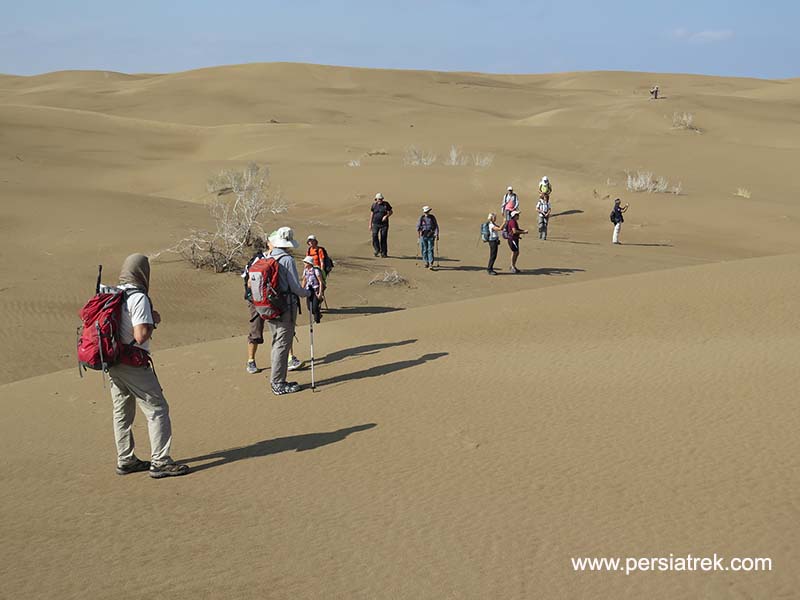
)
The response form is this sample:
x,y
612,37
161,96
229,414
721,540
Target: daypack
x,y
613,217
326,264
262,277
248,295
99,346
505,232
485,231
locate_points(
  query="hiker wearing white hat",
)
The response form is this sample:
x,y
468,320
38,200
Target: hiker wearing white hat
x,y
510,202
512,233
545,187
314,282
428,233
281,242
379,225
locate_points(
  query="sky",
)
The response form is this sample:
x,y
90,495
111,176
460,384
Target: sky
x,y
712,37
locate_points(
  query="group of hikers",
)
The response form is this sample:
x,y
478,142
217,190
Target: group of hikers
x,y
273,289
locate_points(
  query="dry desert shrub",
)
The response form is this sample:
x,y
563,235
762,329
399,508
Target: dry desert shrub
x,y
684,120
644,181
355,162
743,193
240,199
456,158
378,152
417,157
482,161
389,278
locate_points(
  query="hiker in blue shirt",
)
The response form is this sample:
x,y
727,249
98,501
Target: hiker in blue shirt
x,y
428,233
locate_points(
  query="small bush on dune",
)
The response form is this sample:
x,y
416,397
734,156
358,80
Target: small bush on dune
x,y
644,181
482,161
417,157
455,157
389,278
239,200
354,162
743,193
684,120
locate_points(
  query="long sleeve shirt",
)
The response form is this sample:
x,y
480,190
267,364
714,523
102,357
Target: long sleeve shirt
x,y
288,280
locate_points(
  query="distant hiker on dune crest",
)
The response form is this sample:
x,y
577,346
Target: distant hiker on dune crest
x,y
654,93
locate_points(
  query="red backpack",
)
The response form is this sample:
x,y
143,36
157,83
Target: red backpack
x,y
98,337
262,277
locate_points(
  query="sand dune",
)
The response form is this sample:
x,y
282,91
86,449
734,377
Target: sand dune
x,y
642,416
471,434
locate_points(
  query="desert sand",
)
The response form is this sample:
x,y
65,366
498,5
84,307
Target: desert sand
x,y
470,434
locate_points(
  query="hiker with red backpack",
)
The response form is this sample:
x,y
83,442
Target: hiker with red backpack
x,y
276,291
118,323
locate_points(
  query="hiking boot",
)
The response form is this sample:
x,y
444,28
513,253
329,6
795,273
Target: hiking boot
x,y
136,466
279,389
384,256
492,272
294,363
376,254
514,270
251,367
168,470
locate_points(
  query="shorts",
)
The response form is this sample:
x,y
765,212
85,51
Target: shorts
x,y
256,333
514,245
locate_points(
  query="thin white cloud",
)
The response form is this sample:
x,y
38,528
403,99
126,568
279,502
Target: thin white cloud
x,y
704,36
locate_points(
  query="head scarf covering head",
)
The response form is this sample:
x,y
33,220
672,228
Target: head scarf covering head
x,y
136,271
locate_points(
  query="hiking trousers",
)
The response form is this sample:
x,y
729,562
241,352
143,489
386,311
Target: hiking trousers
x,y
130,385
426,246
542,227
380,239
615,237
282,331
493,246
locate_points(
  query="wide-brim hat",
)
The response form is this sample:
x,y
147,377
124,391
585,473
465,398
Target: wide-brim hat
x,y
426,209
283,237
308,260
514,213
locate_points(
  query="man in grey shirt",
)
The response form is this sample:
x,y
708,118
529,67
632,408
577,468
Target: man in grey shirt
x,y
281,242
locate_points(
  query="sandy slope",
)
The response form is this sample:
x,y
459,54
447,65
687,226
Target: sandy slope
x,y
83,152
471,433
467,457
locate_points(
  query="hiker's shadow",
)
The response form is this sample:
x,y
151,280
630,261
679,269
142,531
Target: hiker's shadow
x,y
298,443
382,369
357,351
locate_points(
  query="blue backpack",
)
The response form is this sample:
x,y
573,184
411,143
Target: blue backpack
x,y
485,231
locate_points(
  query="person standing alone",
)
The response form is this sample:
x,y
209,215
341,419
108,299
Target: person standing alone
x,y
134,380
379,225
617,219
543,209
428,234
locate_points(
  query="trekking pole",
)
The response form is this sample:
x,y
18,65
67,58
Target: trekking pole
x,y
437,254
99,275
311,336
417,257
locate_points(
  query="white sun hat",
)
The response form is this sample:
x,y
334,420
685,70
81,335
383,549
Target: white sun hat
x,y
510,189
308,260
283,237
378,196
311,237
426,208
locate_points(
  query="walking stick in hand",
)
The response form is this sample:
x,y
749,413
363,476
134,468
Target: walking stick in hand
x,y
311,336
437,253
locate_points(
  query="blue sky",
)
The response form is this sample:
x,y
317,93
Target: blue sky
x,y
714,37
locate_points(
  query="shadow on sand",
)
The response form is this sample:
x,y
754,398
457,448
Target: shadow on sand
x,y
379,370
548,271
357,351
565,213
647,245
361,310
298,443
